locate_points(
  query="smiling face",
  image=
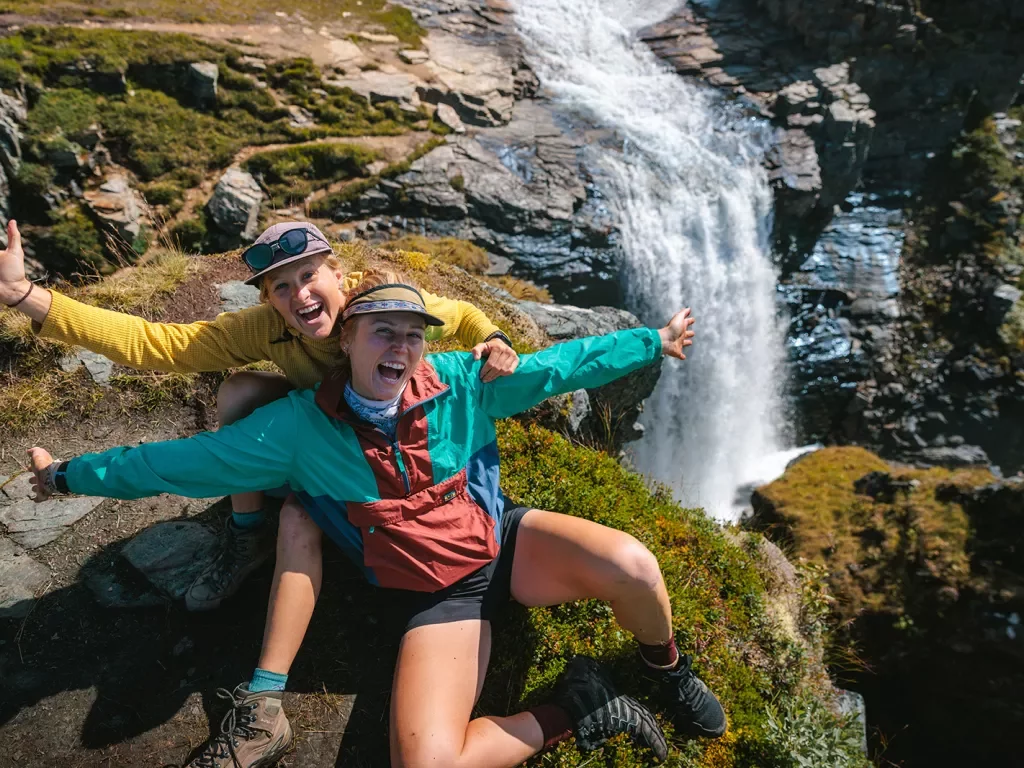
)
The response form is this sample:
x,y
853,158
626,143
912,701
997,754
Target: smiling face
x,y
307,293
384,350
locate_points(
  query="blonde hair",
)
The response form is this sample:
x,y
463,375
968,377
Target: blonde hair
x,y
330,259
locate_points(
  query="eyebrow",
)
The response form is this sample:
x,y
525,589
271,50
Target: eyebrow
x,y
391,324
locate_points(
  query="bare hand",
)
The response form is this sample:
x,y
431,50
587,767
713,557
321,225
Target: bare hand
x,y
501,359
13,283
677,335
42,467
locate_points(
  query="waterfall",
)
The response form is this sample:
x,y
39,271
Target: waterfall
x,y
684,179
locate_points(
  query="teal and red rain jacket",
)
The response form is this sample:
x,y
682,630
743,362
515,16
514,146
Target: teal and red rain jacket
x,y
419,512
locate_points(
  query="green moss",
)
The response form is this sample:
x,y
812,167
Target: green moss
x,y
715,586
882,556
74,242
291,174
458,182
451,250
167,193
189,235
34,179
327,205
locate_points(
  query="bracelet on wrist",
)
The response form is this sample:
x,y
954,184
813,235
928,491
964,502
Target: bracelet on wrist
x,y
500,336
31,285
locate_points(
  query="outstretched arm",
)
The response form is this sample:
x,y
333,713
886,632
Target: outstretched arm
x,y
249,455
233,339
585,363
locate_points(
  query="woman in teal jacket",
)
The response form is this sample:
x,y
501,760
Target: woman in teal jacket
x,y
395,458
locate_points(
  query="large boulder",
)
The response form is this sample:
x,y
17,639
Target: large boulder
x,y
377,87
235,204
13,113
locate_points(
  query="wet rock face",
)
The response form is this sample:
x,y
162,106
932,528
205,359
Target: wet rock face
x,y
517,190
842,300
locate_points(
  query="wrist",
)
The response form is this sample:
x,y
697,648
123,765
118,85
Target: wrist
x,y
11,292
500,336
666,339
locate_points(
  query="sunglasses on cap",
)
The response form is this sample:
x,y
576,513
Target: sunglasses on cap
x,y
291,243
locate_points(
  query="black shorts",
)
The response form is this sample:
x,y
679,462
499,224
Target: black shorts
x,y
481,595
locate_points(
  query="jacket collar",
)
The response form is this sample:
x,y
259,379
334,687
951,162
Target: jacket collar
x,y
423,386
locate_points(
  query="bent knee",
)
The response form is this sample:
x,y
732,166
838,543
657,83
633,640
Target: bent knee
x,y
242,393
635,565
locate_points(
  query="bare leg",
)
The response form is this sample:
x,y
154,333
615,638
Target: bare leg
x,y
438,677
239,395
561,558
296,587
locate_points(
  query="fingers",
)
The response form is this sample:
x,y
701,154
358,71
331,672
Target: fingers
x,y
13,236
479,350
501,361
40,458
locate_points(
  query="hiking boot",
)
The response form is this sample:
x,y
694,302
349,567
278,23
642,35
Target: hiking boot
x,y
696,711
599,712
254,733
242,551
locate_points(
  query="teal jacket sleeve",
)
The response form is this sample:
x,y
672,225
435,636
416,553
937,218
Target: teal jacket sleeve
x,y
579,364
253,454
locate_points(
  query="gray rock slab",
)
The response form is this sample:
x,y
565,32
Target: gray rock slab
x,y
21,578
236,295
111,591
447,115
32,525
98,366
171,555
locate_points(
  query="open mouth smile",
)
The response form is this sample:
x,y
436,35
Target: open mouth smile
x,y
310,313
391,371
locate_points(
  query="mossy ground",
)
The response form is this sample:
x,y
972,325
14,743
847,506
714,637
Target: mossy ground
x,y
290,175
882,556
378,14
151,125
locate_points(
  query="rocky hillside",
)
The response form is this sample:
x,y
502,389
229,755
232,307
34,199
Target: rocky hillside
x,y
927,573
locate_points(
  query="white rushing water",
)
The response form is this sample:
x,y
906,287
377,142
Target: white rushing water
x,y
685,182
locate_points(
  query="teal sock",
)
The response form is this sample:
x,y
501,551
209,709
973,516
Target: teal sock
x,y
262,680
245,520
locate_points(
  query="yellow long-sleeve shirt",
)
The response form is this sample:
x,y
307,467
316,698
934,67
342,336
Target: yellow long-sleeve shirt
x,y
232,339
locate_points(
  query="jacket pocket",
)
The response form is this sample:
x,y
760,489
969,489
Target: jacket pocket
x,y
428,540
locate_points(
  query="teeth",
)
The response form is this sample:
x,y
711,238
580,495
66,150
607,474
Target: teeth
x,y
308,310
396,366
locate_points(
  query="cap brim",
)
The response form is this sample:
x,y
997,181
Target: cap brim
x,y
255,279
429,318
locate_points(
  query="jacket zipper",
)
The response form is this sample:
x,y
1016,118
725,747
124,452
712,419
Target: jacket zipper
x,y
401,466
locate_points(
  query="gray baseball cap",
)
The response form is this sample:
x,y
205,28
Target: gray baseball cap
x,y
279,244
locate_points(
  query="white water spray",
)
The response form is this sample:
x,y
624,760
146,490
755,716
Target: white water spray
x,y
694,208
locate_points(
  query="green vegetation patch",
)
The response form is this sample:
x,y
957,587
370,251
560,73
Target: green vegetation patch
x,y
882,556
328,205
379,14
290,175
718,601
450,250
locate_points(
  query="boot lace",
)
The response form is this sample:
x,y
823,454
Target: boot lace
x,y
236,724
690,690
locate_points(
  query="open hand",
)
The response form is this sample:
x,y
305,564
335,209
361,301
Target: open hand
x,y
13,283
501,359
43,466
677,335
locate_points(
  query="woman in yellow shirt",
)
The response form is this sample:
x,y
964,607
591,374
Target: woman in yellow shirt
x,y
302,284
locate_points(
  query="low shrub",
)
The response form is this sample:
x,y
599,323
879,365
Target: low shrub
x,y
291,174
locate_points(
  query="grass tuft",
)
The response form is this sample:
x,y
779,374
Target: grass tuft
x,y
290,175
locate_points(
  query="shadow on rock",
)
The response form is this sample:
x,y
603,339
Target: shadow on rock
x,y
126,675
